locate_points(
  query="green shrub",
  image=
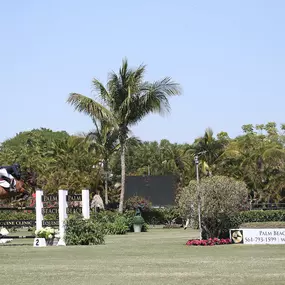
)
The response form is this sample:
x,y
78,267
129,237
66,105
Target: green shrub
x,y
49,217
159,216
17,215
221,198
20,215
138,220
106,216
144,227
116,223
137,201
263,225
113,222
262,216
83,232
151,216
258,216
129,215
118,227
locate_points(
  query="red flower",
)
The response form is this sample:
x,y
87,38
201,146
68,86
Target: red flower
x,y
209,242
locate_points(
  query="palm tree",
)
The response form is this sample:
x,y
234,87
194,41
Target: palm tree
x,y
259,162
105,142
125,101
177,159
210,148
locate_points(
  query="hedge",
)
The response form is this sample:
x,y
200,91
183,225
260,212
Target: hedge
x,y
262,216
156,216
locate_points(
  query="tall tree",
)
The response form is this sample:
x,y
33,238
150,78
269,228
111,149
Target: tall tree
x,y
177,159
258,160
124,102
104,141
210,149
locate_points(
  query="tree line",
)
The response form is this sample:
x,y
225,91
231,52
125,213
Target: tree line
x,y
101,159
56,160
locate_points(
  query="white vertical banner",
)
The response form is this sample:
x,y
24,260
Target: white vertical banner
x,y
39,209
62,214
85,204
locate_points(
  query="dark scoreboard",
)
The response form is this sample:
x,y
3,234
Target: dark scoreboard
x,y
160,190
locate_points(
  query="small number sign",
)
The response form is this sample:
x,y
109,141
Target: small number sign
x,y
40,242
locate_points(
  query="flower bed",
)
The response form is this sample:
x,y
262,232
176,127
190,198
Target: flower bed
x,y
208,242
47,233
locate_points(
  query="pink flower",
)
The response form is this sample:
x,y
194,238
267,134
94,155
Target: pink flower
x,y
209,242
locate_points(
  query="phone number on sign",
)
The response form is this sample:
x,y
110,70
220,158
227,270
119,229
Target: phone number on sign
x,y
261,239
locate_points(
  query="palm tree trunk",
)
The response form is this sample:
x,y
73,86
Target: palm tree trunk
x,y
106,181
106,190
123,176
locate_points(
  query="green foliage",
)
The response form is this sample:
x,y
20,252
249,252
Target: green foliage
x,y
153,216
210,149
46,232
262,216
24,215
17,215
106,216
219,226
129,215
127,98
244,217
138,220
117,223
136,201
52,160
118,227
114,223
221,199
264,225
162,216
257,158
84,232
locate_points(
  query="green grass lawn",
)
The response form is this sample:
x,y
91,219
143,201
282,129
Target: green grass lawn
x,y
159,256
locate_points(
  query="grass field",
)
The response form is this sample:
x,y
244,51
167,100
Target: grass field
x,y
159,256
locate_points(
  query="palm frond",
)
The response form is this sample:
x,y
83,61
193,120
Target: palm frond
x,y
93,136
124,71
209,135
274,157
274,153
135,79
88,106
133,141
155,95
102,92
116,89
104,140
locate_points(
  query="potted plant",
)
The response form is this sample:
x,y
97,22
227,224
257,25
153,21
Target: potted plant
x,y
138,221
48,233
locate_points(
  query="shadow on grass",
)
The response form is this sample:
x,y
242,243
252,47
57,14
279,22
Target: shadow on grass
x,y
20,244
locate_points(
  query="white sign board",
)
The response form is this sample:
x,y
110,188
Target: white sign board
x,y
40,242
258,236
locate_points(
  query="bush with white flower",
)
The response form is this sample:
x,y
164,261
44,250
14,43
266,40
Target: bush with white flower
x,y
47,233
